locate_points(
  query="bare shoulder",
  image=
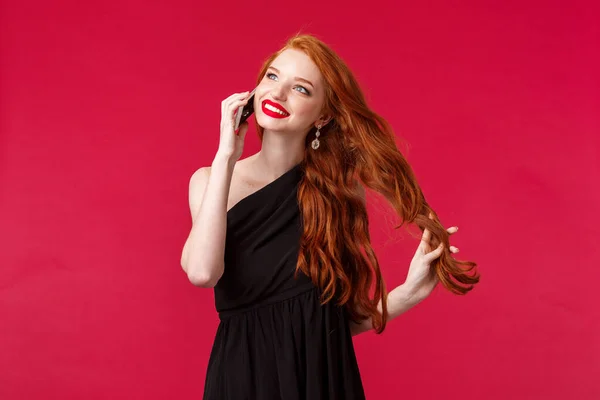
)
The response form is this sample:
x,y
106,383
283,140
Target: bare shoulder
x,y
199,181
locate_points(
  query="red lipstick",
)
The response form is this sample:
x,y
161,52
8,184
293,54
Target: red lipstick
x,y
283,113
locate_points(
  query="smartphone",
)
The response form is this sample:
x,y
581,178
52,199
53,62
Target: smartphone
x,y
243,112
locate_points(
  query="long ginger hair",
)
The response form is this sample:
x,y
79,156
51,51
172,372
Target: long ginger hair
x,y
357,144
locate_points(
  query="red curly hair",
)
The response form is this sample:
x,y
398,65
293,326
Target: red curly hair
x,y
357,144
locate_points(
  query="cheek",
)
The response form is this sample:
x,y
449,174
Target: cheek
x,y
306,110
264,86
258,95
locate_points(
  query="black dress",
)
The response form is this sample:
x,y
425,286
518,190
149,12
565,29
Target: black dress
x,y
275,340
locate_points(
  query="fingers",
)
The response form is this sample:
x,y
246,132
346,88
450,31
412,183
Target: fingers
x,y
424,245
429,257
228,102
234,97
234,108
452,230
231,107
425,239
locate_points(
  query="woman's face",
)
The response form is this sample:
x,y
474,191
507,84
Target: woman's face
x,y
290,96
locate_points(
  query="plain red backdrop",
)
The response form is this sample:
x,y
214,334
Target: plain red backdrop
x,y
107,108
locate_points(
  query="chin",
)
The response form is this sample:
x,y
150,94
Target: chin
x,y
271,124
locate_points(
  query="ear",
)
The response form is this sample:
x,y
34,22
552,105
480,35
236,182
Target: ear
x,y
323,120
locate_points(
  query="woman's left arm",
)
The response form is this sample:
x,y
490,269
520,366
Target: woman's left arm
x,y
418,285
399,300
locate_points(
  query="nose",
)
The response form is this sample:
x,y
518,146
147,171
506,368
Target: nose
x,y
278,93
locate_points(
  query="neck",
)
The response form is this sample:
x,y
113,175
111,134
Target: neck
x,y
279,153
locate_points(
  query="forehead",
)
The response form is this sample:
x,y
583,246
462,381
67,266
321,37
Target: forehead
x,y
297,63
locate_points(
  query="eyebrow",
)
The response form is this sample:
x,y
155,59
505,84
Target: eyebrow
x,y
296,77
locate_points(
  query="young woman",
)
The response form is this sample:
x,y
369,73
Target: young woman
x,y
282,236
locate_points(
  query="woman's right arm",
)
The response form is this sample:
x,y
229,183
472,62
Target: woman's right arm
x,y
203,255
204,250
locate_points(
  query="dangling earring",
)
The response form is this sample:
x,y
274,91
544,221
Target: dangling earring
x,y
315,142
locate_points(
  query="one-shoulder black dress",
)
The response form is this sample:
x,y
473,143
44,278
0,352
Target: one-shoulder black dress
x,y
275,341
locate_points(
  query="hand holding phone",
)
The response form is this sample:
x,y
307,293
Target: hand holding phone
x,y
231,141
243,112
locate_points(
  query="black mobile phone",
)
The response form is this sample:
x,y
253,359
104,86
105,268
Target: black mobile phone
x,y
244,112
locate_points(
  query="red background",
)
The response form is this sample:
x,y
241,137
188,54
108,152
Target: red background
x,y
107,108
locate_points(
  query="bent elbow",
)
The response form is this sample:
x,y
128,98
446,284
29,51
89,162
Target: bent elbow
x,y
203,280
202,275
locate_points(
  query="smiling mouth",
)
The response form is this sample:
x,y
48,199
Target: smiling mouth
x,y
273,111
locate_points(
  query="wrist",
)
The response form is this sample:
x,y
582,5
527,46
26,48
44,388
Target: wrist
x,y
401,299
223,159
411,293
